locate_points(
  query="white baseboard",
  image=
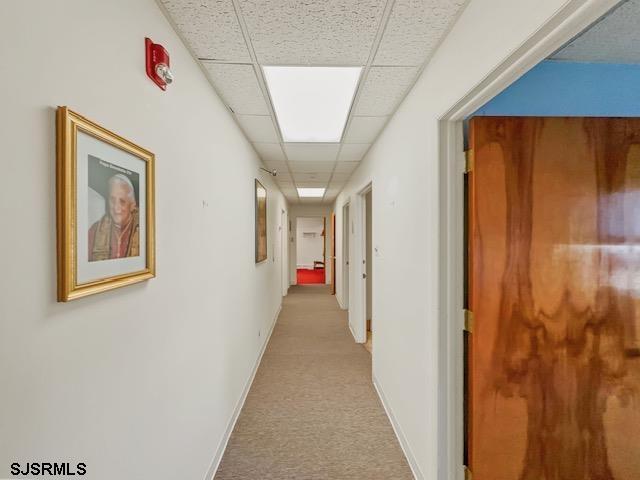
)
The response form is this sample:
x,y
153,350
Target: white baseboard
x,y
411,459
213,468
353,334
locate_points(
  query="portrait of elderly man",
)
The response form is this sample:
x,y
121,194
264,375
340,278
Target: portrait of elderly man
x,y
117,233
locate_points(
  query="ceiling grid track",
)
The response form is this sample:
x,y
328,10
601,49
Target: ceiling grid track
x,y
363,78
415,79
391,41
263,86
201,62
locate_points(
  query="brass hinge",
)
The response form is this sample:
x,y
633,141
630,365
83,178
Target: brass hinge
x,y
467,473
468,321
468,161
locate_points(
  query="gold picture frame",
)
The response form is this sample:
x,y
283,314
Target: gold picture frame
x,y
129,173
261,222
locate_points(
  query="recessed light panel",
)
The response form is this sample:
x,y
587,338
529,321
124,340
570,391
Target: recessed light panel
x,y
312,103
311,192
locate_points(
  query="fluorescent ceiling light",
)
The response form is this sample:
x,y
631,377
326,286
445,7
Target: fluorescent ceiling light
x,y
312,103
311,192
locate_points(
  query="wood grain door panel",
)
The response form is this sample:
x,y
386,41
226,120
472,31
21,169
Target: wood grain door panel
x,y
554,284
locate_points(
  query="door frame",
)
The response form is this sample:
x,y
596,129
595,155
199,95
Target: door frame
x,y
569,21
345,249
332,258
284,251
358,315
294,258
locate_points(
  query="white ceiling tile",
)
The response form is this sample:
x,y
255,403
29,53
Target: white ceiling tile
x,y
270,152
353,152
415,29
311,183
210,27
311,167
238,86
258,128
283,175
312,177
340,177
364,129
383,90
318,32
346,167
614,39
310,152
281,167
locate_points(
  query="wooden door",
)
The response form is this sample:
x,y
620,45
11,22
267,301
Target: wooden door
x,y
553,363
333,254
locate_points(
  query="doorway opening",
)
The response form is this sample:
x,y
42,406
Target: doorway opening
x,y
346,232
284,251
367,261
310,250
550,191
333,253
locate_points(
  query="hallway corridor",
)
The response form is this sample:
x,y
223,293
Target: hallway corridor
x,y
312,411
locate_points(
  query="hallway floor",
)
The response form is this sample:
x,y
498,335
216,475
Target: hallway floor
x,y
312,412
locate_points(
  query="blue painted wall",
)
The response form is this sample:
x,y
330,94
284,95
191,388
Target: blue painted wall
x,y
554,89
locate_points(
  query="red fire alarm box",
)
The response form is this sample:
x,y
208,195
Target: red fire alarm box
x,y
158,64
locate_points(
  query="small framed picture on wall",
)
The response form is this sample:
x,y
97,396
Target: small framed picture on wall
x,y
261,222
105,209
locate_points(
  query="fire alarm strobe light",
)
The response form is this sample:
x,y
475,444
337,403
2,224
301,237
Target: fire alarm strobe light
x,y
158,64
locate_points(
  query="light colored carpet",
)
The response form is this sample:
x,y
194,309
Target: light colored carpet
x,y
312,412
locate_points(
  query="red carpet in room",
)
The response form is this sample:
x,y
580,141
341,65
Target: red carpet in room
x,y
306,276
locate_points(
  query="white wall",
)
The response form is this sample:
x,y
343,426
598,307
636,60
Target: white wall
x,y
140,382
403,167
300,210
309,248
369,254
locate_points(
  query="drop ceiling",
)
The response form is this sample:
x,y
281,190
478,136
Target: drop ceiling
x,y
391,39
615,38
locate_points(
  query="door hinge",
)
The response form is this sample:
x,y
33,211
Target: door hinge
x,y
467,473
468,161
468,321
364,275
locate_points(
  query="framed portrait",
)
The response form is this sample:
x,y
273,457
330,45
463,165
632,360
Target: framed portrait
x,y
105,209
261,222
